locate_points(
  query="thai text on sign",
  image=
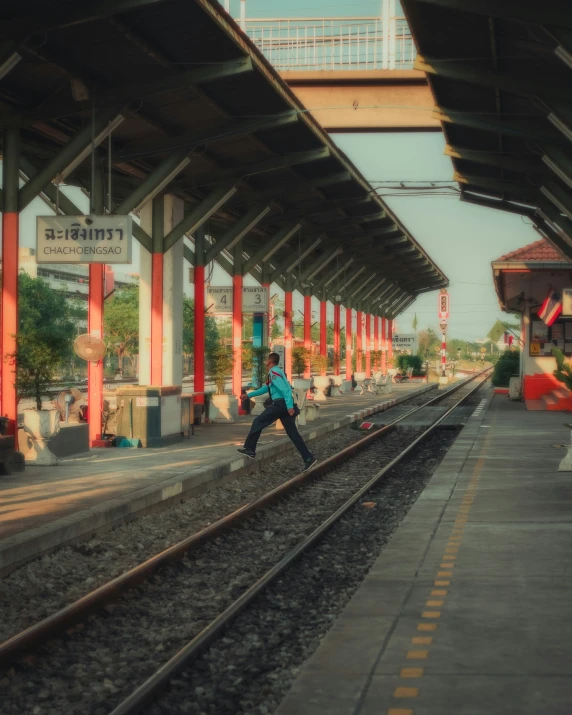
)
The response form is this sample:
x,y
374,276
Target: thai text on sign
x,y
83,239
254,299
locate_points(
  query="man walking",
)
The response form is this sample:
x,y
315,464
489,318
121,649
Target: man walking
x,y
281,408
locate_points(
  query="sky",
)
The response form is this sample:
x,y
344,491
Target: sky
x,y
462,239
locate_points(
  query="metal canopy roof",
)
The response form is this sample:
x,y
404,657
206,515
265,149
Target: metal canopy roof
x,y
187,84
501,75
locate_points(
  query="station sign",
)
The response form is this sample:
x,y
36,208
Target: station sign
x,y
254,299
84,239
443,306
407,342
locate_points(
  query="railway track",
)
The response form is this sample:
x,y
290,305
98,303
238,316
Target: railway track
x,y
136,634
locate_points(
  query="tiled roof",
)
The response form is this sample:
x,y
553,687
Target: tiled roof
x,y
542,251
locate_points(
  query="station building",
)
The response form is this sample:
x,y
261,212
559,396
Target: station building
x,y
523,280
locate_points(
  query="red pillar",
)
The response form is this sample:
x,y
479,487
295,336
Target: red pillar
x,y
337,339
237,335
199,385
9,316
368,345
266,340
359,346
323,332
157,319
348,343
307,330
95,369
383,345
376,340
288,334
390,340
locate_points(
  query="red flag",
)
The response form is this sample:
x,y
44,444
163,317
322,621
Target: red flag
x,y
551,308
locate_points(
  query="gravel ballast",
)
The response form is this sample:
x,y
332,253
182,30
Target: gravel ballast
x,y
250,669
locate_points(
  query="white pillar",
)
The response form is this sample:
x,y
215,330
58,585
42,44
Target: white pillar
x,y
173,265
173,297
145,278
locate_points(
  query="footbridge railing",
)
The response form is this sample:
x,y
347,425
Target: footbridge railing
x,y
333,43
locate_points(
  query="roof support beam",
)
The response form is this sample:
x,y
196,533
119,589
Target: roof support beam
x,y
199,214
119,96
496,159
289,263
549,213
357,292
558,197
191,140
325,280
76,14
402,306
516,10
353,221
364,296
263,166
67,154
498,126
561,165
322,207
297,187
157,180
270,247
244,224
515,84
515,188
68,208
316,266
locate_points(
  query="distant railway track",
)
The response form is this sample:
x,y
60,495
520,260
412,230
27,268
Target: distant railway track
x,y
344,478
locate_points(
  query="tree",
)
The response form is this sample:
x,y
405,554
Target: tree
x,y
427,341
121,322
45,337
212,335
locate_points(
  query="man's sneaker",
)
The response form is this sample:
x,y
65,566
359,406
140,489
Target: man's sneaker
x,y
246,452
309,463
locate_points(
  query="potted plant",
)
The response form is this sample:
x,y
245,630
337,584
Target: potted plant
x,y
322,382
300,361
223,407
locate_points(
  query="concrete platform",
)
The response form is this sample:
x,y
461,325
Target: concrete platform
x,y
45,507
467,610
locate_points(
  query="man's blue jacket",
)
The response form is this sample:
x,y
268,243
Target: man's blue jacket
x,y
278,386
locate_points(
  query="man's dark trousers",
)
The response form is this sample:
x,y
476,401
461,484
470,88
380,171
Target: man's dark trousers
x,y
277,411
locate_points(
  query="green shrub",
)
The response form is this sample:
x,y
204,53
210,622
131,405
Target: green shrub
x,y
507,366
300,360
414,361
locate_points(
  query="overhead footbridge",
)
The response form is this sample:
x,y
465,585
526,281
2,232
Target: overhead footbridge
x,y
501,75
165,110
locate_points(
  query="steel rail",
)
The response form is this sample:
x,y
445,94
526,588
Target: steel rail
x,y
146,692
77,611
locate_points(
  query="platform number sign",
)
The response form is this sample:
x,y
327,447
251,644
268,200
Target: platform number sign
x,y
443,305
219,299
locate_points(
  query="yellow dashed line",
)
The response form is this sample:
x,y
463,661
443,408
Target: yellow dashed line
x,y
447,563
426,626
411,672
403,692
417,654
